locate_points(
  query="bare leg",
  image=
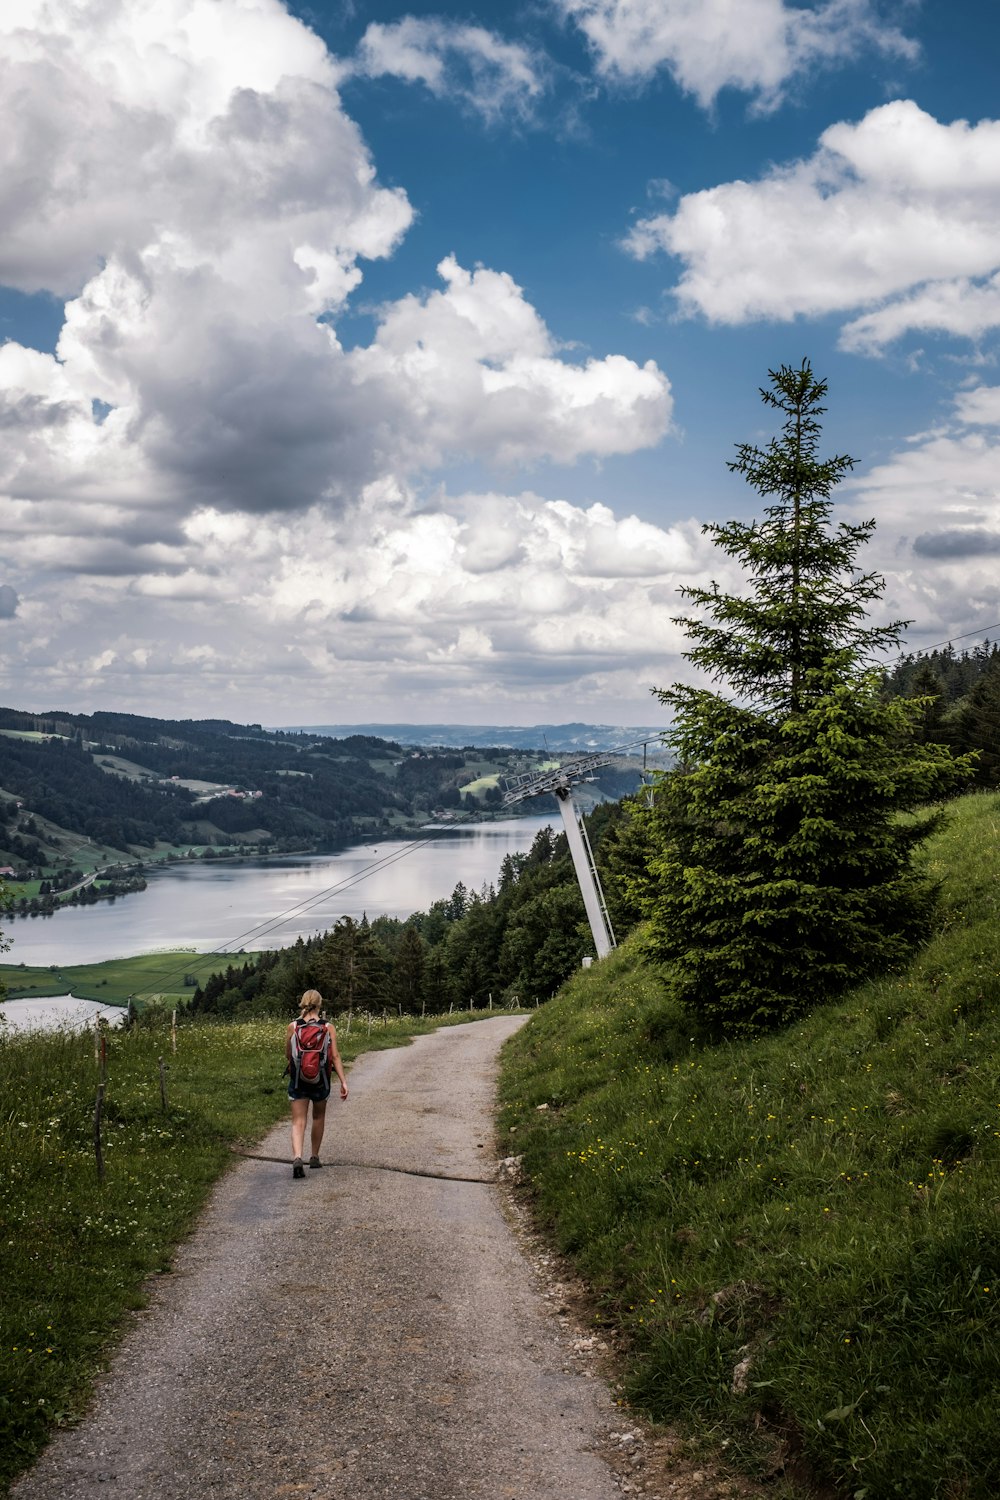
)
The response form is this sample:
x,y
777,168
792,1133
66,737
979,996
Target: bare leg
x,y
300,1108
318,1122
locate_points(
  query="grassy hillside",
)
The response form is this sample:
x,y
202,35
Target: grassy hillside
x,y
170,976
801,1235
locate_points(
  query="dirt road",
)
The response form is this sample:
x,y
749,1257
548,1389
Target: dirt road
x,y
361,1332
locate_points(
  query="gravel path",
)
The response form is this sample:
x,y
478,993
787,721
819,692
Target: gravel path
x,y
361,1332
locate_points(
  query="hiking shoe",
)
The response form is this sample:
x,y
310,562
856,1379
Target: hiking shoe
x,y
298,1170
314,1161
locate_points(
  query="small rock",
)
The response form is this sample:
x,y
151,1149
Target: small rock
x,y
741,1372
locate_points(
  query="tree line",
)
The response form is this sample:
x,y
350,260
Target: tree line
x,y
959,696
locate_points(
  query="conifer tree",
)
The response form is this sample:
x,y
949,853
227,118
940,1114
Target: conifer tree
x,y
783,871
979,724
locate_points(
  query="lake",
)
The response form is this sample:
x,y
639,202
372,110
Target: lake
x,y
268,903
52,1011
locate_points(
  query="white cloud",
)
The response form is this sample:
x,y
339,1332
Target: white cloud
x,y
937,505
961,307
479,373
979,407
204,204
758,46
898,214
205,499
454,60
486,599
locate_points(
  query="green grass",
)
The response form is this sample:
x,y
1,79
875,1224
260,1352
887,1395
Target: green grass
x,y
113,980
76,1254
824,1203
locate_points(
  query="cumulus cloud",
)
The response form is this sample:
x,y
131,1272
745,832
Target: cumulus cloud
x,y
898,214
479,373
937,504
454,60
203,493
758,46
481,598
207,204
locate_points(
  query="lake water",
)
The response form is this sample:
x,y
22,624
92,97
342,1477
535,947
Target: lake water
x,y
258,903
57,1011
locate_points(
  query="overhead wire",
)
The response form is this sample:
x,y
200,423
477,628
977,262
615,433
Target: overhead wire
x,y
966,635
289,914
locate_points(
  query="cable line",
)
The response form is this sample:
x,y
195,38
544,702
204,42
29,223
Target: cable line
x,y
271,924
951,639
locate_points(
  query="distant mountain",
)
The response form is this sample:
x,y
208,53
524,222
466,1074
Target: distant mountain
x,y
561,737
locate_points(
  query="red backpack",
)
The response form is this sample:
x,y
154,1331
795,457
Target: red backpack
x,y
310,1062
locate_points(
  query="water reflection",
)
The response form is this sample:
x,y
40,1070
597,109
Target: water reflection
x,y
269,903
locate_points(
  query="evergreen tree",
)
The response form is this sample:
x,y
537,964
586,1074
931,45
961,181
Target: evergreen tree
x,y
979,724
929,689
351,968
783,871
408,971
437,991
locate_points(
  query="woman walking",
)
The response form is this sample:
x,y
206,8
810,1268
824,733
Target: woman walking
x,y
311,1050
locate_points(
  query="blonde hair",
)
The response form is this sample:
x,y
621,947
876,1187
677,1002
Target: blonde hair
x,y
311,1001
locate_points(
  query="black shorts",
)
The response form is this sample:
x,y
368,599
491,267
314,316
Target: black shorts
x,y
317,1092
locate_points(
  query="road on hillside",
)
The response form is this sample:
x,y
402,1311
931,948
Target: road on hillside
x,y
360,1333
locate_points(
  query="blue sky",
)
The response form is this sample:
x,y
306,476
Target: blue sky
x,y
370,361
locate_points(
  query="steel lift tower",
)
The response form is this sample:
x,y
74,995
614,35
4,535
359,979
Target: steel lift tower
x,y
560,783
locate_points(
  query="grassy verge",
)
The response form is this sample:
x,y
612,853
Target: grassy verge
x,y
75,1254
799,1236
113,980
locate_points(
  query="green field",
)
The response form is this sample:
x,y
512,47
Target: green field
x,y
151,975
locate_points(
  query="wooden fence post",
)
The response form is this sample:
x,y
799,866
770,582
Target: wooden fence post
x,y
98,1151
163,1086
173,1032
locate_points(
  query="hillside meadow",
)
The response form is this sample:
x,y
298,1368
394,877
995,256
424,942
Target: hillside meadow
x,y
799,1236
166,976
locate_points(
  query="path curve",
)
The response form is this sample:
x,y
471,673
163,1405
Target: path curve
x,y
359,1333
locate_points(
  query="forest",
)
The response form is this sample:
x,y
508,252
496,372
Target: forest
x,y
134,787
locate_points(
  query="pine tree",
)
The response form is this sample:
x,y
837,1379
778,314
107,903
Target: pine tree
x,y
979,724
928,687
351,969
408,971
783,872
